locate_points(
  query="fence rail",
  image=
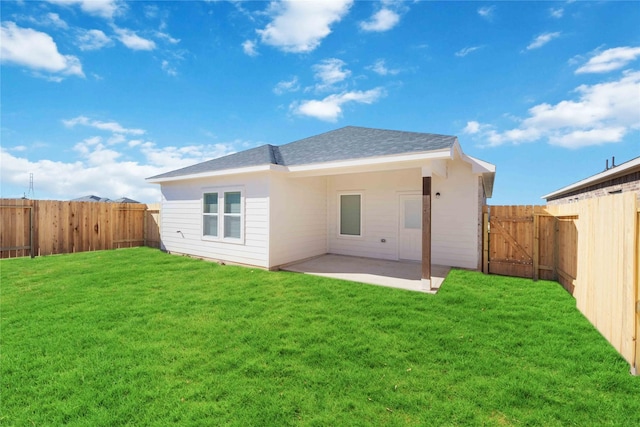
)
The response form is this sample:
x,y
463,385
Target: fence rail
x,y
592,248
45,227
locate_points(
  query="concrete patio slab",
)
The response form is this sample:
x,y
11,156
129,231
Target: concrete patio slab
x,y
394,274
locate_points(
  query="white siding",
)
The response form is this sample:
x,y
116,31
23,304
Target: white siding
x,y
454,226
182,220
454,217
380,201
298,219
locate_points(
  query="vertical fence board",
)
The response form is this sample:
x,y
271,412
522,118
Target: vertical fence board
x,y
636,359
567,252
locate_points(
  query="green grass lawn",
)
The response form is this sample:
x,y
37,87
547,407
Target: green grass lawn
x,y
138,337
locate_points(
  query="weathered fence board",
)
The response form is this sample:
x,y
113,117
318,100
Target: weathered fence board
x,y
15,234
45,227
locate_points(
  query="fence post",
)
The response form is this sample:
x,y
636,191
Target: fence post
x,y
635,367
485,239
31,251
536,246
556,247
144,225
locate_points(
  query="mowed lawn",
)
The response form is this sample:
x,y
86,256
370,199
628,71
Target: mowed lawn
x,y
138,337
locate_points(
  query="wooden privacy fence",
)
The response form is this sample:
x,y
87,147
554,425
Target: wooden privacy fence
x,y
591,247
44,227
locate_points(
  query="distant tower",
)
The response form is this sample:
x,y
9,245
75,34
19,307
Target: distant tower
x,y
31,195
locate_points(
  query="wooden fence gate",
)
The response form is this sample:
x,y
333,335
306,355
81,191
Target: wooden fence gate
x,y
526,241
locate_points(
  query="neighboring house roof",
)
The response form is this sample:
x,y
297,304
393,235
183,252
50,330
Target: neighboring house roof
x,y
623,169
125,200
344,149
91,198
347,143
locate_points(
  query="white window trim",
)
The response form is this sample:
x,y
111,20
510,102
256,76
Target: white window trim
x,y
362,204
221,215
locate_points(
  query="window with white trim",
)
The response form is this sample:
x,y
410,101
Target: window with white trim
x,y
350,214
223,215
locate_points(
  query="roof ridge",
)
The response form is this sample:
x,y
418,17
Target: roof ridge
x,y
275,156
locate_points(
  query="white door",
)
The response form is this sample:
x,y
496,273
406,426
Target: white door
x,y
410,233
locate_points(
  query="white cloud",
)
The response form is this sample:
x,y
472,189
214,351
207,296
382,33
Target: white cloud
x,y
467,50
49,20
168,68
542,39
287,86
105,126
487,12
584,138
116,138
133,41
167,37
383,20
35,50
329,72
330,108
603,113
55,20
92,40
249,47
300,26
151,11
67,180
95,152
102,170
102,8
556,13
18,148
610,59
170,158
380,67
472,128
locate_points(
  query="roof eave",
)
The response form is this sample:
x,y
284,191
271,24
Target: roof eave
x,y
485,169
371,163
223,172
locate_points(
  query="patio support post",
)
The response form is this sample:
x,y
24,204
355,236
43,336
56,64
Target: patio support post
x,y
426,230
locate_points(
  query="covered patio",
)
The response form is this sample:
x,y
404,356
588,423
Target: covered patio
x,y
394,274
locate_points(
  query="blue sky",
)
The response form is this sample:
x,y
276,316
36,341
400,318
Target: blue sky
x,y
97,95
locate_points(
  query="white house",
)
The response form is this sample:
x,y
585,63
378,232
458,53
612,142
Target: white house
x,y
353,191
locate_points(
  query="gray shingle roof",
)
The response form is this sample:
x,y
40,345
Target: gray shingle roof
x,y
347,143
125,200
91,198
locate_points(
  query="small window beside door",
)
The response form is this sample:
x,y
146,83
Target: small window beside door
x,y
350,214
413,214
